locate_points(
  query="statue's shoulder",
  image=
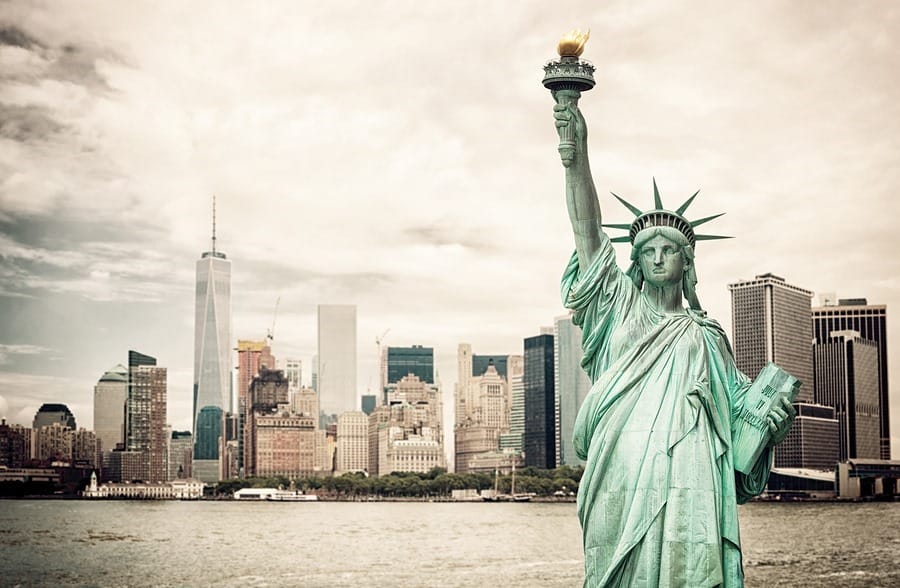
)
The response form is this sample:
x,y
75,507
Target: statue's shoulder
x,y
711,327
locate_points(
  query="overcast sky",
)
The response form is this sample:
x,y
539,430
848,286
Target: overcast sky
x,y
401,156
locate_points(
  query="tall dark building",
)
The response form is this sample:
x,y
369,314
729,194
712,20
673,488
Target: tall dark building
x,y
480,364
145,418
416,360
540,402
136,359
870,321
847,379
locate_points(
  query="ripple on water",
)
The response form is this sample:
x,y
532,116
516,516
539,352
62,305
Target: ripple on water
x,y
401,544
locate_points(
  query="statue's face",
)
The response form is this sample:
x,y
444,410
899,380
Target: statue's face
x,y
662,262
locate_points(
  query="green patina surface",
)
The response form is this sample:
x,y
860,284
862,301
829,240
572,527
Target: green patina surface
x,y
658,500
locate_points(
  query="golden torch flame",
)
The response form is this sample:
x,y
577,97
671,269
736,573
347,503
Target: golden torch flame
x,y
572,43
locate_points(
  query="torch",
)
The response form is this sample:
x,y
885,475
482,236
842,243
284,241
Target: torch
x,y
567,77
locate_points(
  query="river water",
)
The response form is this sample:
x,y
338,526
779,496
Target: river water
x,y
120,543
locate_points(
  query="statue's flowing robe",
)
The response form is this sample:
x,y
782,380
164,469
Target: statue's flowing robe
x,y
658,498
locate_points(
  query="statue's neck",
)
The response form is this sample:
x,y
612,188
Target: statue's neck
x,y
664,298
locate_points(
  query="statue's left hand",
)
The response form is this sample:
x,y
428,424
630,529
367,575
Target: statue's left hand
x,y
780,418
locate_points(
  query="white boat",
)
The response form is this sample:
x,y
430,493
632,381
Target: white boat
x,y
274,495
284,496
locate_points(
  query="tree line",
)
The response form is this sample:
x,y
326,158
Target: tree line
x,y
434,484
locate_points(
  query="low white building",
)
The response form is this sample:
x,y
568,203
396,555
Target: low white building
x,y
189,489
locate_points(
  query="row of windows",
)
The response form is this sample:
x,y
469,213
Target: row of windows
x,y
862,311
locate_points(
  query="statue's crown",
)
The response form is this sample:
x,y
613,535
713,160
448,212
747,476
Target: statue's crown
x,y
659,216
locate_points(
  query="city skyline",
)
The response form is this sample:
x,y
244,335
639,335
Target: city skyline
x,y
430,198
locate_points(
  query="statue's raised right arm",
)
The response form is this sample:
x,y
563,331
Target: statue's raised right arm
x,y
581,195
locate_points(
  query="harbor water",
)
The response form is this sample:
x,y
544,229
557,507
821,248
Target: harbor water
x,y
230,544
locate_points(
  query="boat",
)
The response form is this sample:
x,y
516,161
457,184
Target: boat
x,y
495,495
274,495
521,496
284,496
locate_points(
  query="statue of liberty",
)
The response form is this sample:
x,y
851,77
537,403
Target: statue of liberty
x,y
658,499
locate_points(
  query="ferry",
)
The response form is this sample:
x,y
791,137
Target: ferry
x,y
274,495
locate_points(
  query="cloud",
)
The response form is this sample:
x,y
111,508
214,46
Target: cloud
x,y
24,124
404,160
16,37
25,393
8,350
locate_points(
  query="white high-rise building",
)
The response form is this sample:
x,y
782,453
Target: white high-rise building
x,y
212,359
110,395
572,386
337,358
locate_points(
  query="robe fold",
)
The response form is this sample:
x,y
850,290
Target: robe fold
x,y
658,498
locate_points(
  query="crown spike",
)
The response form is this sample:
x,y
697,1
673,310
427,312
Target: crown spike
x,y
624,227
623,239
637,211
705,219
657,201
711,237
683,207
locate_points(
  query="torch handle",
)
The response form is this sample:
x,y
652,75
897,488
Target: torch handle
x,y
567,133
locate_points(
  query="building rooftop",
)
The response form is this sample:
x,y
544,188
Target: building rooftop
x,y
117,373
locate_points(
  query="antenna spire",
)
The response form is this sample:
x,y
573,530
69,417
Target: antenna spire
x,y
214,225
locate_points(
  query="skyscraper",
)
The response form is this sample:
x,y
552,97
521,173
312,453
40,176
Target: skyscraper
x,y
515,439
540,421
268,389
870,321
50,413
293,371
251,355
572,385
212,358
847,375
812,442
110,395
416,360
145,420
771,322
337,358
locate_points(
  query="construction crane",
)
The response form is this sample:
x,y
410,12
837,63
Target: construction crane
x,y
270,334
